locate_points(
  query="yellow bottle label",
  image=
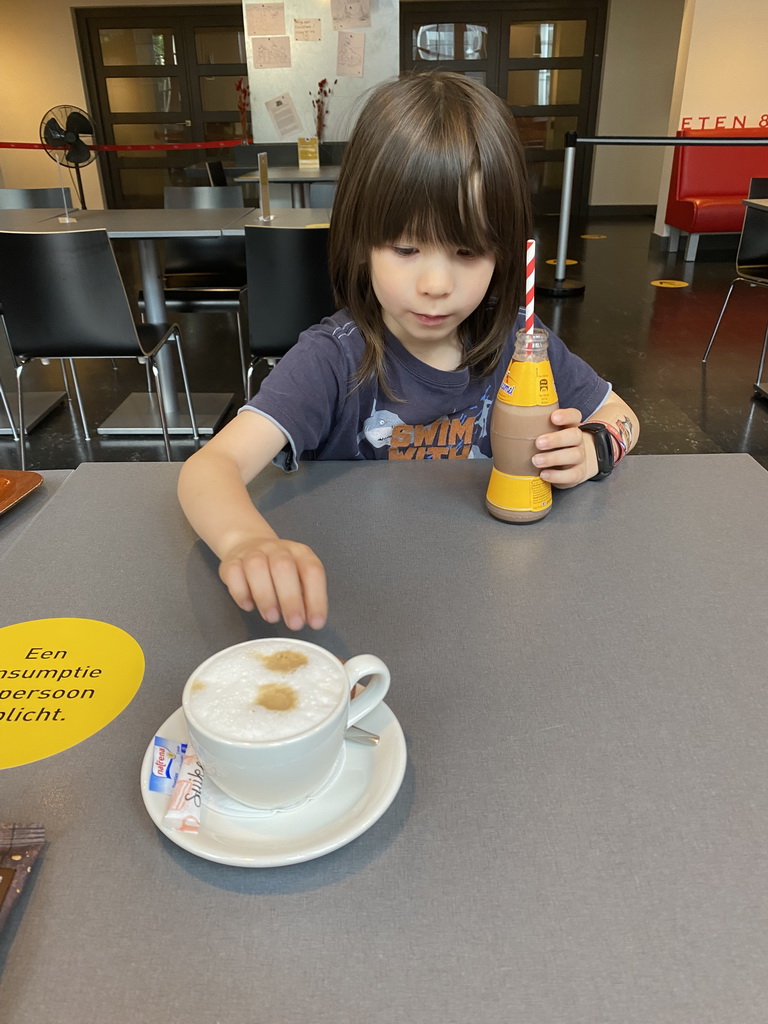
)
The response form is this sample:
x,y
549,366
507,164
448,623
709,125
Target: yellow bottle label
x,y
528,384
522,493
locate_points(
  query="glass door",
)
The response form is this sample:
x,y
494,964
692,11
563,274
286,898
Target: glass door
x,y
547,77
157,76
543,60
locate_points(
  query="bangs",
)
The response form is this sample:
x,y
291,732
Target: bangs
x,y
436,197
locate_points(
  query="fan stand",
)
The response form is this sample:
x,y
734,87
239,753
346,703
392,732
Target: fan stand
x,y
80,187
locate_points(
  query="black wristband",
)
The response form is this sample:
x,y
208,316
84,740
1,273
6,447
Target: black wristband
x,y
603,448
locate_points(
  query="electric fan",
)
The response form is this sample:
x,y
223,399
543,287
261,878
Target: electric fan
x,y
62,128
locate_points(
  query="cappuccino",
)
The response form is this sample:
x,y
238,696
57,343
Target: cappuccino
x,y
266,692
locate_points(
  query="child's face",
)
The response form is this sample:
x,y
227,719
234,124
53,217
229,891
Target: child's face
x,y
425,292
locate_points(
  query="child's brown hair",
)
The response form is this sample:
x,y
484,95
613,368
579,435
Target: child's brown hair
x,y
434,159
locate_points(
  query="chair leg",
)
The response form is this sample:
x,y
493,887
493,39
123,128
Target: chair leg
x,y
762,359
65,378
242,350
691,247
717,325
7,408
674,239
161,407
79,398
21,427
182,364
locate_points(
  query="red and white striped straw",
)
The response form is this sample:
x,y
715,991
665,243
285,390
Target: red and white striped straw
x,y
530,282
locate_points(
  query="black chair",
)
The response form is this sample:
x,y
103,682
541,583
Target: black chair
x,y
31,199
34,198
216,172
321,194
289,289
751,258
203,274
62,298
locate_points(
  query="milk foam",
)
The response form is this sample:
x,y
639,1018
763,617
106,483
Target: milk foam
x,y
224,695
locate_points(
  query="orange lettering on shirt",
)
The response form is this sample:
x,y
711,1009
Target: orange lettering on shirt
x,y
402,434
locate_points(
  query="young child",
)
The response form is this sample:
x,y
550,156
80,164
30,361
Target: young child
x,y
427,260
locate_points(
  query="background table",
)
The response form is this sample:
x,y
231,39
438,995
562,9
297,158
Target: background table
x,y
303,218
581,834
297,177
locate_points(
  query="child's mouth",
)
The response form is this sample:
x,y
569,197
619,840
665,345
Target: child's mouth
x,y
430,320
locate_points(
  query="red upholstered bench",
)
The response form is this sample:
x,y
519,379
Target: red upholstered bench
x,y
708,184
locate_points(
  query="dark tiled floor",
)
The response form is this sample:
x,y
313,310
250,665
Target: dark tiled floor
x,y
648,341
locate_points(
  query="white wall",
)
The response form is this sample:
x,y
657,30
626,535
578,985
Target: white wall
x,y
40,69
638,79
315,60
722,72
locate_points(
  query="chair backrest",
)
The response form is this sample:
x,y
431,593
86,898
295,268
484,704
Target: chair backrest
x,y
216,173
752,255
204,255
322,194
289,287
34,198
717,170
212,197
62,295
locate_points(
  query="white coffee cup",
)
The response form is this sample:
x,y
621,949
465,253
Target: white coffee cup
x,y
267,717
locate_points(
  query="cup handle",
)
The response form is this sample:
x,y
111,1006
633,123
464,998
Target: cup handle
x,y
376,690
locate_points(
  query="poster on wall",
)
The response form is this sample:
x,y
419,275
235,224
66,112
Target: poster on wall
x,y
284,115
307,30
265,19
348,14
269,52
350,54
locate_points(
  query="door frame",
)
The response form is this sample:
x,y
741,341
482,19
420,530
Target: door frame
x,y
499,14
88,21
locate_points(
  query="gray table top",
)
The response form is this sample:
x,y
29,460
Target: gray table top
x,y
298,218
159,223
20,516
581,834
25,220
277,175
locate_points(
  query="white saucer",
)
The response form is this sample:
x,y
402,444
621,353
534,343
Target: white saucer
x,y
365,787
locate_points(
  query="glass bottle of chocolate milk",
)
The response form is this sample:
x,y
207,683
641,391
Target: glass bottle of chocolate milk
x,y
525,401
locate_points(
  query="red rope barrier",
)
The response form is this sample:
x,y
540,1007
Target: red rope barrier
x,y
101,148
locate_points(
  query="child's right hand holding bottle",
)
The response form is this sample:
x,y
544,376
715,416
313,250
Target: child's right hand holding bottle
x,y
279,578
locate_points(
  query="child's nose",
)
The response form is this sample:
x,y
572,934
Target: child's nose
x,y
435,279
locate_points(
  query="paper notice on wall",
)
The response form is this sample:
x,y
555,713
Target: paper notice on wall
x,y
284,116
347,14
307,30
350,54
265,19
271,52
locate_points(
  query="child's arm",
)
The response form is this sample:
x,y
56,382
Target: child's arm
x,y
277,577
567,456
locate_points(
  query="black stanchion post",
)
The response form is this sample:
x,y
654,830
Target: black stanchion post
x,y
561,287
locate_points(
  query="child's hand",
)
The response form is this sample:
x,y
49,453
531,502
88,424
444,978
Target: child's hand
x,y
567,456
280,578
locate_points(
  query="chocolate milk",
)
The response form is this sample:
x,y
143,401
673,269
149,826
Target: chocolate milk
x,y
521,413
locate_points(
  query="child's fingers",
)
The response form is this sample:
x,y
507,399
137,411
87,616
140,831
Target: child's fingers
x,y
315,589
233,577
287,584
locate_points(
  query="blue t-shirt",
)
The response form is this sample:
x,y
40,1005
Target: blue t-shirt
x,y
441,414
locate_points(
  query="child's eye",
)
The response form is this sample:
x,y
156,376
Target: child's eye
x,y
404,250
466,254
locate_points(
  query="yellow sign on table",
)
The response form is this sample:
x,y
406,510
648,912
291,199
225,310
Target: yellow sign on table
x,y
61,681
309,152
